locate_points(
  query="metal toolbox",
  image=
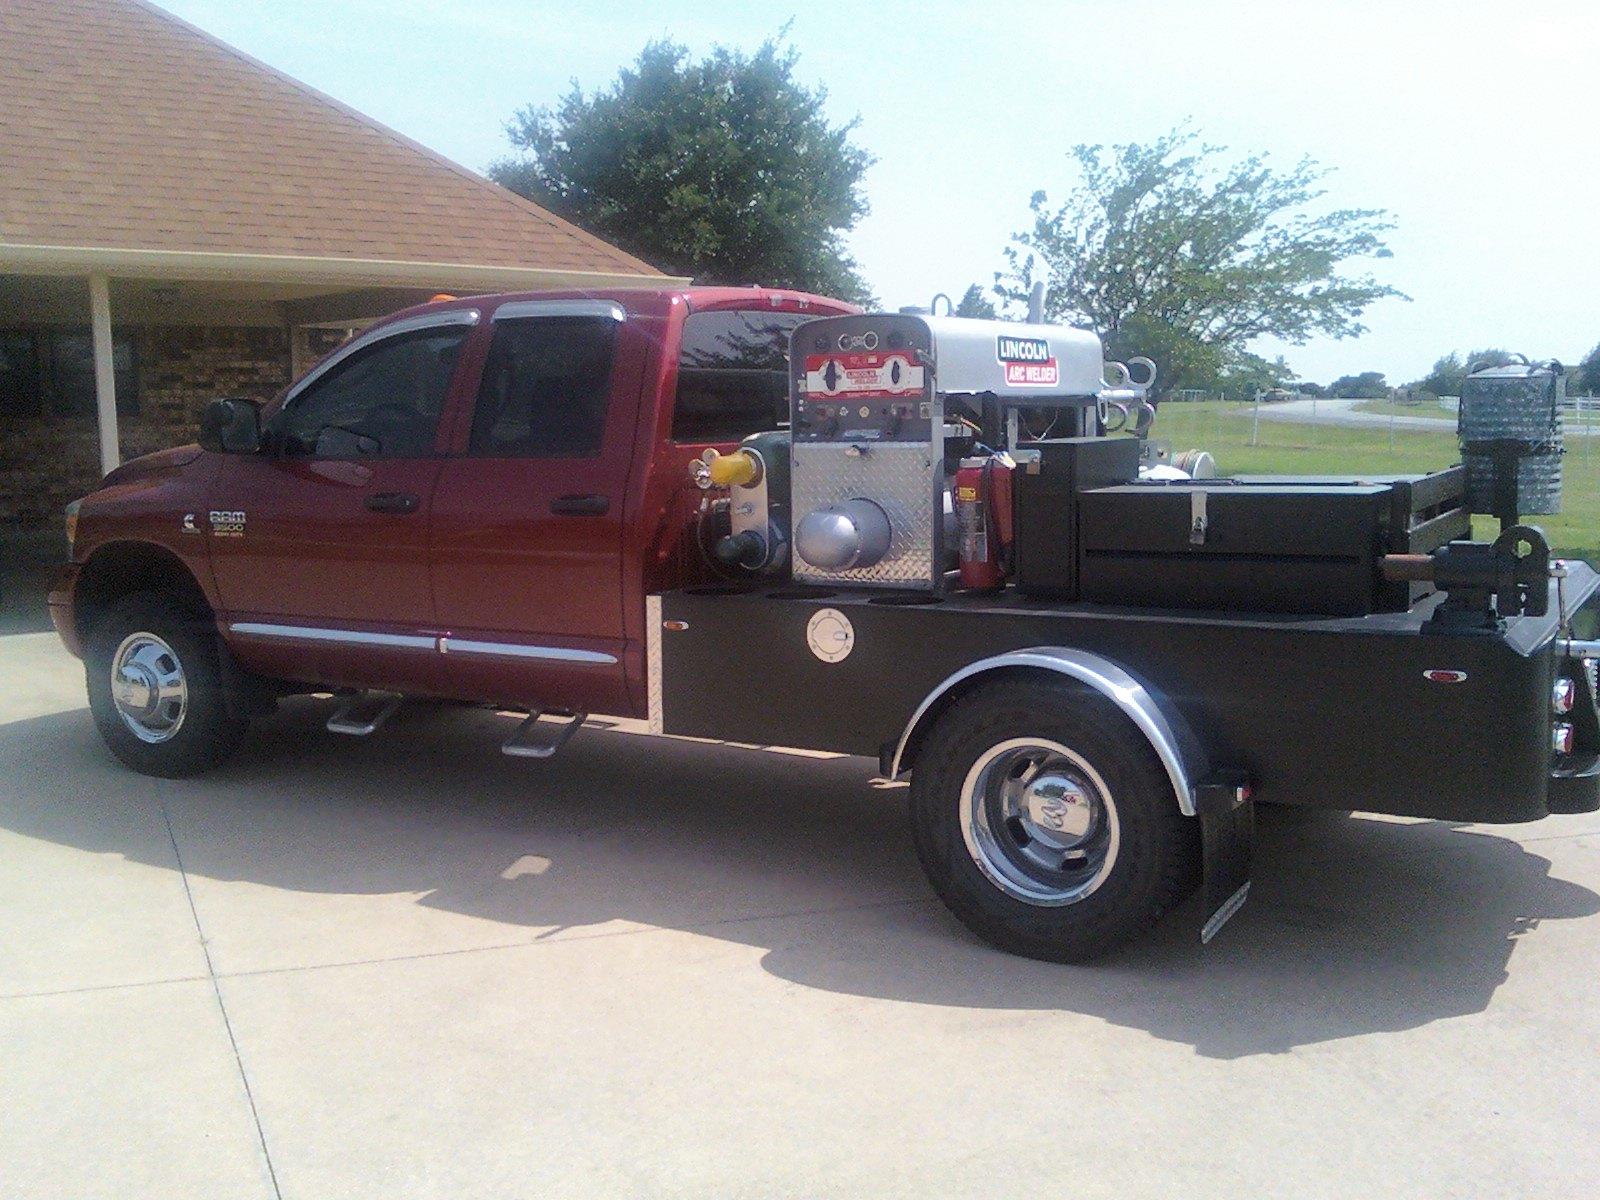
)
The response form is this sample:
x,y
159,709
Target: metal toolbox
x,y
1050,477
1220,545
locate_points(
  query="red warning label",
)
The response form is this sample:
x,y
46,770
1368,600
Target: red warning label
x,y
869,374
1033,374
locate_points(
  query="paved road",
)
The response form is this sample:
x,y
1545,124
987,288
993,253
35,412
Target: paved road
x,y
411,967
1344,412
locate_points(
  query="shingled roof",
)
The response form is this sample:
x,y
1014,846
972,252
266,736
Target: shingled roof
x,y
127,129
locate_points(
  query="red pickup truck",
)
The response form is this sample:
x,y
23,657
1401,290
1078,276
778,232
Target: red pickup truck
x,y
568,503
497,482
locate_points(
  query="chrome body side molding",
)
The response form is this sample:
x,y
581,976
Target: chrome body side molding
x,y
455,645
442,644
353,637
1167,732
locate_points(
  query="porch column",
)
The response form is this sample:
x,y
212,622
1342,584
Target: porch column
x,y
105,372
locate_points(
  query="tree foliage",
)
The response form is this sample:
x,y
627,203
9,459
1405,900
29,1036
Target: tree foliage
x,y
975,304
1369,385
1588,373
726,168
1165,250
1451,371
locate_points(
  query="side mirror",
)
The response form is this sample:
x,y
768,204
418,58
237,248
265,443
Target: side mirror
x,y
231,426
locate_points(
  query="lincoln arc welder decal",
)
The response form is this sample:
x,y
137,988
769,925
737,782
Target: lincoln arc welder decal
x,y
867,374
1028,361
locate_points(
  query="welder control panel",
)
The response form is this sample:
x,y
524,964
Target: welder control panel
x,y
863,379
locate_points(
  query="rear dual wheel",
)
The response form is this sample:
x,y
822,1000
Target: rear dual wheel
x,y
1045,821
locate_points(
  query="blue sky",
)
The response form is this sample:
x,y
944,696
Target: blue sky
x,y
1476,124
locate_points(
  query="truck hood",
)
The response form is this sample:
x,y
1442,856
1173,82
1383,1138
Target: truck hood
x,y
152,464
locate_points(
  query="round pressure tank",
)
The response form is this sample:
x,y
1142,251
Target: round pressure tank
x,y
842,537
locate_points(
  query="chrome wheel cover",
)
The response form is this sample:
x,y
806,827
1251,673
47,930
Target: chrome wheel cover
x,y
1039,822
148,687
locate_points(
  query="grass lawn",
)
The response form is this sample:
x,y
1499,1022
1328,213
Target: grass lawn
x,y
1284,448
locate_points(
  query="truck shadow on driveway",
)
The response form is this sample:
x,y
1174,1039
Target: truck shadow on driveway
x,y
1355,925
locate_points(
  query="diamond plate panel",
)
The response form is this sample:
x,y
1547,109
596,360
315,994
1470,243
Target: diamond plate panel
x,y
903,479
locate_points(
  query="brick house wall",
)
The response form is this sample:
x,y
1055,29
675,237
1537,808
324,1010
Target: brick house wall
x,y
45,462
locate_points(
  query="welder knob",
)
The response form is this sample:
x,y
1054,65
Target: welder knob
x,y
840,537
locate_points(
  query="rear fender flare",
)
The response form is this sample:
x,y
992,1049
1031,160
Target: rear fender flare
x,y
1170,736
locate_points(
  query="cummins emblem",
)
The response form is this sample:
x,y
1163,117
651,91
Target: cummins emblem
x,y
227,524
830,635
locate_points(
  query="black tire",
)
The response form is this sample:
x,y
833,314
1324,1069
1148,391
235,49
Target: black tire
x,y
1150,867
205,733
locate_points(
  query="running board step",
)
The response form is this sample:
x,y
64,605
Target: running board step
x,y
541,739
363,713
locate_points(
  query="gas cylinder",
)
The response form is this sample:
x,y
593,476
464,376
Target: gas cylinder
x,y
983,489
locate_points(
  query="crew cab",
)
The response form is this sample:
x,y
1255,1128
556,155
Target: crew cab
x,y
494,500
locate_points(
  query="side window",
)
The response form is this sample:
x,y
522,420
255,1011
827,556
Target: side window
x,y
733,374
545,388
382,402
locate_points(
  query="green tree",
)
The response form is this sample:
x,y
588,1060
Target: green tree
x,y
1588,373
1369,385
1163,248
725,168
1451,371
975,304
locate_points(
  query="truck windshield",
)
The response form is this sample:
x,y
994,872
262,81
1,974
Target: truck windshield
x,y
733,374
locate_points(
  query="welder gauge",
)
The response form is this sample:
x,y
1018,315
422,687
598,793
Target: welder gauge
x,y
830,635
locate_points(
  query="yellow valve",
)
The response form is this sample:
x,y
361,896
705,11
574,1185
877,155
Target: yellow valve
x,y
738,469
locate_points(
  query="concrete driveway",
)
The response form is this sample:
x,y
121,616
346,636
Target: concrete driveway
x,y
409,966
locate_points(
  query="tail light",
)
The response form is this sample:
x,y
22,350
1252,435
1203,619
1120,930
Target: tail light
x,y
1561,737
1563,695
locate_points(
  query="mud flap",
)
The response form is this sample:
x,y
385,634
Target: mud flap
x,y
1227,838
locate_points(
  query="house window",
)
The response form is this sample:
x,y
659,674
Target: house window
x,y
51,372
72,373
21,383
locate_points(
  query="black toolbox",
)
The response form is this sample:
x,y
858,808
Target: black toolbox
x,y
1264,544
1050,477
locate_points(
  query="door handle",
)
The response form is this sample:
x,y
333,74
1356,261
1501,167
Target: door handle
x,y
394,502
580,506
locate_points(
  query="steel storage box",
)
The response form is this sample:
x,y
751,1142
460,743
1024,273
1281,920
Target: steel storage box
x,y
1295,548
1048,481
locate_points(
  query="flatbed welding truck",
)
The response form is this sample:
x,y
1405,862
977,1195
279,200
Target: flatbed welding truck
x,y
763,516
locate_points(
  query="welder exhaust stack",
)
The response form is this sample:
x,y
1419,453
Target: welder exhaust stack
x,y
1510,432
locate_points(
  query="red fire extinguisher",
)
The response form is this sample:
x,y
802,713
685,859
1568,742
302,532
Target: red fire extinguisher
x,y
983,521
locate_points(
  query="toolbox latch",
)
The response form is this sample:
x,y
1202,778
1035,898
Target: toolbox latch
x,y
1197,517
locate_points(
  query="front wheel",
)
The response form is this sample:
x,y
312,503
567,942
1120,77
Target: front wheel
x,y
155,688
1045,822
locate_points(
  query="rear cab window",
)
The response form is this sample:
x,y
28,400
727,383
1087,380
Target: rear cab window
x,y
733,374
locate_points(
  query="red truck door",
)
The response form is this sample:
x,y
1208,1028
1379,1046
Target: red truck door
x,y
527,516
319,544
